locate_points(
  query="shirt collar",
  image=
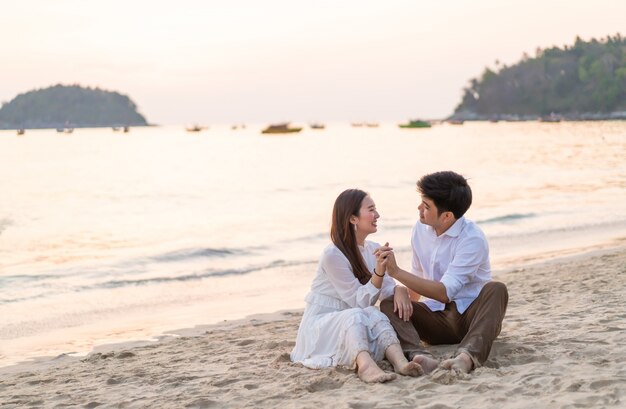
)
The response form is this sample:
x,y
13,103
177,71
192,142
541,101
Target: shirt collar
x,y
456,228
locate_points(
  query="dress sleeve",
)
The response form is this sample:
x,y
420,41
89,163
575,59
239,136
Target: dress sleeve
x,y
350,290
469,256
388,287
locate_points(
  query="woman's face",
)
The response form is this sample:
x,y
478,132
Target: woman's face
x,y
366,221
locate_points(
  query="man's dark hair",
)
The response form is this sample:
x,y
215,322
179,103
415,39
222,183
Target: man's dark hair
x,y
448,190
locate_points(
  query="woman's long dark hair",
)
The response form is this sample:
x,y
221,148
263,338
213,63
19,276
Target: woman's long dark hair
x,y
342,233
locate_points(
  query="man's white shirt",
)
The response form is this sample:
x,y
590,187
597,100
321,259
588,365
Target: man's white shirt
x,y
459,259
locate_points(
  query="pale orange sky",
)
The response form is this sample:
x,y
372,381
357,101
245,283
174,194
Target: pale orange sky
x,y
262,61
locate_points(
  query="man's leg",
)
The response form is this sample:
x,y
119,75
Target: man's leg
x,y
432,327
482,322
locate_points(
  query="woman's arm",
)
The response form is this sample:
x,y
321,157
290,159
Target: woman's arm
x,y
350,290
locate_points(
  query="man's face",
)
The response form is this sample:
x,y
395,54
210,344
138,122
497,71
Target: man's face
x,y
428,212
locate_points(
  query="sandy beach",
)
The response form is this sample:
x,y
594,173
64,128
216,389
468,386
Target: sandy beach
x,y
563,345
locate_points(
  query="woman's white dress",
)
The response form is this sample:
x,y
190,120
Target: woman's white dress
x,y
340,319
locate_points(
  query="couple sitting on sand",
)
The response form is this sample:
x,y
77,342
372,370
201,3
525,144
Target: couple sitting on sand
x,y
450,272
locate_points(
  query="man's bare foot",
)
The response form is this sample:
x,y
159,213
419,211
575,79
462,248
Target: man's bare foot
x,y
371,373
427,363
462,363
410,369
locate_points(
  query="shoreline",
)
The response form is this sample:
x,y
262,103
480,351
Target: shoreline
x,y
563,344
139,329
506,266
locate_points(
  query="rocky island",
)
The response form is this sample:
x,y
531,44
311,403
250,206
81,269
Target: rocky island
x,y
61,106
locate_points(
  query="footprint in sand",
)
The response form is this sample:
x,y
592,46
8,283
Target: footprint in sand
x,y
203,403
324,384
447,376
224,382
280,359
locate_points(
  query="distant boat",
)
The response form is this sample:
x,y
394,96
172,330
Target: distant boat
x,y
317,125
371,124
67,128
126,129
116,129
357,124
195,128
280,128
456,121
21,131
416,123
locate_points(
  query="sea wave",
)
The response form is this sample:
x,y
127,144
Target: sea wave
x,y
4,223
203,274
612,226
191,253
129,281
507,218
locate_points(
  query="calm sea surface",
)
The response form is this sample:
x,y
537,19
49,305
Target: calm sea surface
x,y
113,237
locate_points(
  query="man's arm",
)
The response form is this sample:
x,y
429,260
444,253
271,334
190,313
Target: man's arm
x,y
428,288
414,296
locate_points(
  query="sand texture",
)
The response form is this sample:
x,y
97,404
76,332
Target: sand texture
x,y
563,345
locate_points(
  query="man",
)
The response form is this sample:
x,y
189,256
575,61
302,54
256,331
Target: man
x,y
450,270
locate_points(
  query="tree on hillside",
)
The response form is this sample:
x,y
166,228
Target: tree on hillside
x,y
587,77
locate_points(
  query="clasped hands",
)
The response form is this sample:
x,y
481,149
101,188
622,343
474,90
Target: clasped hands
x,y
386,260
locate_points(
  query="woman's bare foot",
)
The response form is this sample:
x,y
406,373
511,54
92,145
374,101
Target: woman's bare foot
x,y
427,363
370,372
462,363
410,369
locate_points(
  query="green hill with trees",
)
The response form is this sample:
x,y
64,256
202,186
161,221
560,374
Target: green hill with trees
x,y
584,81
74,106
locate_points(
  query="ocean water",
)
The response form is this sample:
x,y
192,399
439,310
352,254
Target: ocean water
x,y
108,237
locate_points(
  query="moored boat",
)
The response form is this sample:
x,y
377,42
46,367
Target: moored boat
x,y
280,128
416,123
195,128
551,118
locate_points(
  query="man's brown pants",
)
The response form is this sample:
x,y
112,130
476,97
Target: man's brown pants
x,y
474,330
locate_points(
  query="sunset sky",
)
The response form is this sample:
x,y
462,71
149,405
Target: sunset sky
x,y
262,61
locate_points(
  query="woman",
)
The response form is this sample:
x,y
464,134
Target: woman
x,y
341,326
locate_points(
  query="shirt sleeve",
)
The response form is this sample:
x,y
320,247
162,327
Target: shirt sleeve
x,y
468,257
416,267
349,289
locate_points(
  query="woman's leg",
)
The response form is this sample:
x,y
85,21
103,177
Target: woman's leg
x,y
369,372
